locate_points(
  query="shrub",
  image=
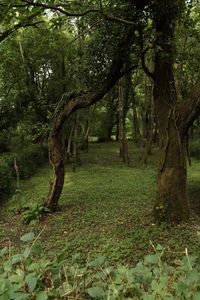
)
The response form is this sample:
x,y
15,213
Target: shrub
x,y
194,147
28,275
5,179
33,212
4,143
28,160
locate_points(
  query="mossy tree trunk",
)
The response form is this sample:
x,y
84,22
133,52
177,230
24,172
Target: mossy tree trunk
x,y
172,121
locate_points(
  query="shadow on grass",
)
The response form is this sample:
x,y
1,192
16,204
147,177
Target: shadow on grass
x,y
194,197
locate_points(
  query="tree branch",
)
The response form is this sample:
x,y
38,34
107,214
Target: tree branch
x,y
25,23
143,53
9,31
60,8
119,20
190,109
74,101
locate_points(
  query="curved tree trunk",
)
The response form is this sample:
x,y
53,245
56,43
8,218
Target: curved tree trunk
x,y
57,162
74,101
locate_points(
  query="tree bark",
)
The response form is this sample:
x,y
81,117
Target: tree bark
x,y
172,200
123,144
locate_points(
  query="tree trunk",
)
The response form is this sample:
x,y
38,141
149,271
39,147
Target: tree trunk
x,y
56,159
123,144
171,201
69,144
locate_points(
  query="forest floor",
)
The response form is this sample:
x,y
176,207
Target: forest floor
x,y
105,208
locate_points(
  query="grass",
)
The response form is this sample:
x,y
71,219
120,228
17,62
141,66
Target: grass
x,y
106,207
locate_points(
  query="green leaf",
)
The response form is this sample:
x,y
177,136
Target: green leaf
x,y
62,256
31,281
27,237
192,276
96,292
7,266
37,249
41,296
3,251
16,258
159,247
34,267
20,272
26,252
156,286
5,297
151,259
2,285
97,262
20,296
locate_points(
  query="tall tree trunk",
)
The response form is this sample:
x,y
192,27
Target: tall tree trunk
x,y
123,144
172,200
110,115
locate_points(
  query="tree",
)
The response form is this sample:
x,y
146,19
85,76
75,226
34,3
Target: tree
x,y
173,119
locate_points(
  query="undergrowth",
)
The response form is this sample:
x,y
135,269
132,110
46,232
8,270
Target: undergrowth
x,y
27,274
105,209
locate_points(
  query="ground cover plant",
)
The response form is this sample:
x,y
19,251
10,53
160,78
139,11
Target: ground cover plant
x,y
105,209
28,275
105,246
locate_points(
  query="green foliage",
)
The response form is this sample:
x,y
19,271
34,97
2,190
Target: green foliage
x,y
195,148
27,274
28,160
105,208
33,212
5,179
4,143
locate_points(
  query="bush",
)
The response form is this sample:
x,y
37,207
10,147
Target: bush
x,y
194,147
5,179
28,275
33,212
4,143
28,160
